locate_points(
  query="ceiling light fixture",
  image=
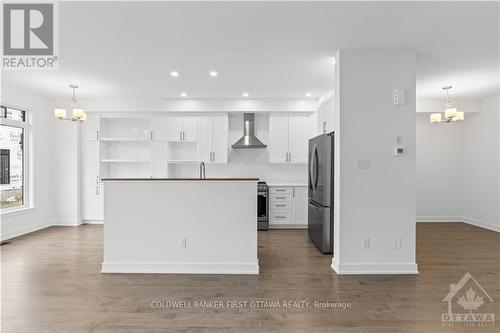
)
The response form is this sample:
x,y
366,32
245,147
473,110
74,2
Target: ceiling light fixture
x,y
183,94
174,74
213,74
245,94
334,61
309,94
450,113
78,113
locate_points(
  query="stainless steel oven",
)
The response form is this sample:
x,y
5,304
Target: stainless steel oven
x,y
262,206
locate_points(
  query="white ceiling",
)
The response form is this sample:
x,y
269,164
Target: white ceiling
x,y
271,50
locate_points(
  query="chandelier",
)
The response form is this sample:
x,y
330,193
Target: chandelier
x,y
450,113
78,114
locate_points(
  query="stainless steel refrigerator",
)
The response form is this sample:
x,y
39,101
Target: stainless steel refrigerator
x,y
320,217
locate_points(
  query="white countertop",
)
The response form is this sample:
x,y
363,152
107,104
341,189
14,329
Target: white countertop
x,y
284,184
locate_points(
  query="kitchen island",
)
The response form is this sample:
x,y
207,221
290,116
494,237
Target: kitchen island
x,y
180,225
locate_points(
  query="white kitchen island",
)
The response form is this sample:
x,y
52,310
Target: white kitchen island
x,y
174,225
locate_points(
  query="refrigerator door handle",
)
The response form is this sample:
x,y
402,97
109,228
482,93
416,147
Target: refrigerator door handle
x,y
313,174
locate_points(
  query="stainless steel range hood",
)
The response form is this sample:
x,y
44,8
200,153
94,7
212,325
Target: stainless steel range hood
x,y
248,140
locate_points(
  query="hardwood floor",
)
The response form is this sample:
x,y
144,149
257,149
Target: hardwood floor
x,y
51,283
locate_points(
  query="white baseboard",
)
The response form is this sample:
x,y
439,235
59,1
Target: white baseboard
x,y
25,230
431,219
287,226
66,222
482,224
181,268
93,222
460,219
380,268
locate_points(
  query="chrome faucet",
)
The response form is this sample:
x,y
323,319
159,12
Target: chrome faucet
x,y
202,170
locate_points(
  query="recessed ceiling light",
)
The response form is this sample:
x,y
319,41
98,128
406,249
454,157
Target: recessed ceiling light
x,y
334,61
213,74
174,74
183,94
245,94
309,94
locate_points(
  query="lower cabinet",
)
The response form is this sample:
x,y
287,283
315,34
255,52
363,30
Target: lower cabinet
x,y
93,203
288,207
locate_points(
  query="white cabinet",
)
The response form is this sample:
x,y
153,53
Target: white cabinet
x,y
90,162
160,161
300,201
182,128
159,128
213,141
288,139
278,139
288,207
298,139
92,210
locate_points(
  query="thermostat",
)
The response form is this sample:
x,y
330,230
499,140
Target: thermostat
x,y
398,150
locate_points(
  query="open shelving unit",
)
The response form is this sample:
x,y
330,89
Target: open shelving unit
x,y
126,149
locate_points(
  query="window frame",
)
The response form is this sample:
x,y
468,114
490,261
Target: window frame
x,y
27,179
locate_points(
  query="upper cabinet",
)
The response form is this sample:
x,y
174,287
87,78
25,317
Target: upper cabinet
x,y
213,140
288,139
159,127
182,129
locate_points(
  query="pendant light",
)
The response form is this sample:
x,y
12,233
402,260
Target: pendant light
x,y
78,114
450,113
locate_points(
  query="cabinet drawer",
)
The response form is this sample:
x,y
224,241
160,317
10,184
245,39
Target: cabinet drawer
x,y
283,205
281,198
277,217
280,190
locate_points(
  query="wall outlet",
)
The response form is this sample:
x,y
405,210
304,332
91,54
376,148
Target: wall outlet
x,y
365,242
396,242
362,163
182,243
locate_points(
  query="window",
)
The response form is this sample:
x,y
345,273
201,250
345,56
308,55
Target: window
x,y
12,158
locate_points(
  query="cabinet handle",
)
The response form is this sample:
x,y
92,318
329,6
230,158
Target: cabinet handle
x,y
280,190
280,197
289,157
97,135
97,190
213,156
293,192
183,136
280,205
280,217
97,179
151,135
180,136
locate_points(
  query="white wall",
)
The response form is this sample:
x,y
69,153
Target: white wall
x,y
439,170
54,167
326,115
481,168
379,202
66,170
458,167
247,162
41,121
